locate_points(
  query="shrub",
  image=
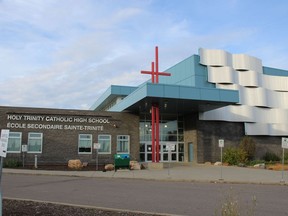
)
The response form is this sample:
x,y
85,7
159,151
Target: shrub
x,y
271,156
286,156
11,163
234,156
248,145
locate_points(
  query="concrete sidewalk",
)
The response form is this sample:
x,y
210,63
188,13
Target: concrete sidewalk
x,y
192,173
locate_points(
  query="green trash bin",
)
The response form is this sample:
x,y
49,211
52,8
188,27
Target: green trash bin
x,y
121,161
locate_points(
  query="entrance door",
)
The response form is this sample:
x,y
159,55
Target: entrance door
x,y
164,152
191,152
146,152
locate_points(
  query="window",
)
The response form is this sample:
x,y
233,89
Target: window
x,y
85,143
123,144
181,152
35,142
105,142
14,142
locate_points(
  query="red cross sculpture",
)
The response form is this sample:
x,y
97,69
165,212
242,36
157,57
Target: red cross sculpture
x,y
155,109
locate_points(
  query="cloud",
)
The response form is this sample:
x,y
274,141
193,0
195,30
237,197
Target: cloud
x,y
64,54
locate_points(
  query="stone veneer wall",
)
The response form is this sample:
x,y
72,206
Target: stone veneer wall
x,y
190,135
61,145
209,132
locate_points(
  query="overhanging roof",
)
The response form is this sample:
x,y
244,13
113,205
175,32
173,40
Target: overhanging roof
x,y
111,94
176,99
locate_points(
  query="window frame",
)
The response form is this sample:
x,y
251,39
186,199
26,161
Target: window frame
x,y
20,146
86,139
127,139
110,143
31,138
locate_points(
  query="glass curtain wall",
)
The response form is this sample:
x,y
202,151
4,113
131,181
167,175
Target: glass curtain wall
x,y
171,132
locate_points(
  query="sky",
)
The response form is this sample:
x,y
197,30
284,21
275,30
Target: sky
x,y
65,54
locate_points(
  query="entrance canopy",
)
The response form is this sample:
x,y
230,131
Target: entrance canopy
x,y
171,98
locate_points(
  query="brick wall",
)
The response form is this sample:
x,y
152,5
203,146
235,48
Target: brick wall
x,y
61,145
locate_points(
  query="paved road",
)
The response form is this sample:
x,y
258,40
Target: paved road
x,y
180,198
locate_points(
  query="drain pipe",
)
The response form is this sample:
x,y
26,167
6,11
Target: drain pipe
x,y
35,162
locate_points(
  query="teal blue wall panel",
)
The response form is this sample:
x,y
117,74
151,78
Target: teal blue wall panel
x,y
209,94
102,99
171,91
188,72
227,95
112,92
188,80
187,92
274,71
135,96
179,72
202,81
155,90
176,92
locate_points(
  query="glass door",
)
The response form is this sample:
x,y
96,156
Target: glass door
x,y
170,156
165,155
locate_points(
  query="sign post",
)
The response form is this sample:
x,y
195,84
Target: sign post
x,y
169,147
96,147
3,151
284,146
221,146
24,150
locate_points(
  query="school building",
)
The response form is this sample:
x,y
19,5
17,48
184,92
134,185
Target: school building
x,y
208,96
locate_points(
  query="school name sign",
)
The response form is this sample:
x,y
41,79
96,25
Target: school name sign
x,y
56,122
